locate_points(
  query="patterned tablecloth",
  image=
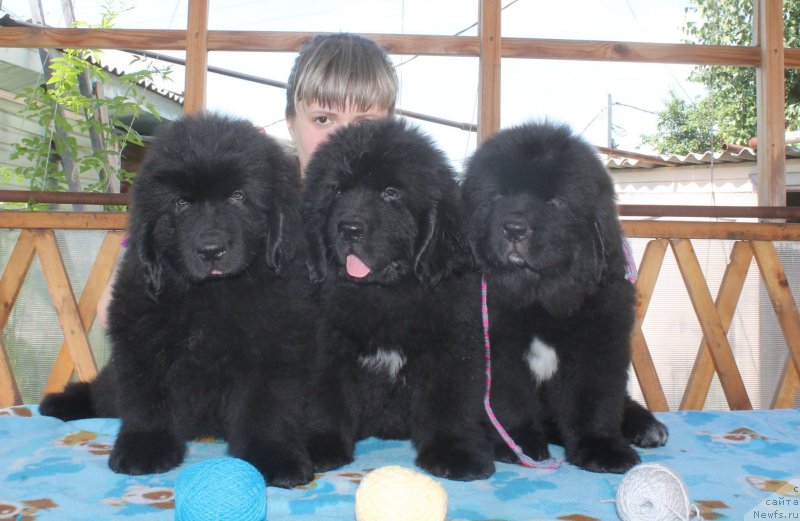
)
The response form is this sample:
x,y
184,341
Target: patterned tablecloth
x,y
737,465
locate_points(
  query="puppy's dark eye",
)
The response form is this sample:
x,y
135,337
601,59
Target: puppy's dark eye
x,y
237,197
181,204
336,190
390,193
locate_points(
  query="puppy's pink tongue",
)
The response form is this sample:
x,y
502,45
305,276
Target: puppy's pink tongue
x,y
356,267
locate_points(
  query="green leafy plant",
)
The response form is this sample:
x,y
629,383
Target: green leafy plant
x,y
727,114
71,103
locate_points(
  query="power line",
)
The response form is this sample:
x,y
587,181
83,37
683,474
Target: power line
x,y
469,127
459,33
635,108
678,82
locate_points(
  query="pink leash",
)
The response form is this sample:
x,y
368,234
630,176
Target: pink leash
x,y
631,273
524,460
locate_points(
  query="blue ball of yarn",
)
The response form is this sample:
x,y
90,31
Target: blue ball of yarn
x,y
221,489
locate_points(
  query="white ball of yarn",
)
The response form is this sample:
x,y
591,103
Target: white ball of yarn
x,y
653,492
395,493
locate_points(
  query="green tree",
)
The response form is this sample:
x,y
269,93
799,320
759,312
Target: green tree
x,y
728,113
71,103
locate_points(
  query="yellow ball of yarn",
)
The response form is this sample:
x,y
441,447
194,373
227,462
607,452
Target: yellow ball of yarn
x,y
399,494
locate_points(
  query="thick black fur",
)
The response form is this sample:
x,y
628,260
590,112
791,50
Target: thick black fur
x,y
542,221
210,307
382,192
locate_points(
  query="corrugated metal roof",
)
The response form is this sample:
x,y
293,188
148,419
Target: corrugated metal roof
x,y
621,160
146,84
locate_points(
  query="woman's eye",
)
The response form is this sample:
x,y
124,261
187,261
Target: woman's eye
x,y
236,197
390,193
322,120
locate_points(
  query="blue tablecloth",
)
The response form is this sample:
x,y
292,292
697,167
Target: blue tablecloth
x,y
737,465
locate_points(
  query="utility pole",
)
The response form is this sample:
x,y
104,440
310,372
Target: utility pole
x,y
610,121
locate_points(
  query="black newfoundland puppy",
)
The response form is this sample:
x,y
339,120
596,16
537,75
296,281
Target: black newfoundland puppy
x,y
209,308
542,221
402,345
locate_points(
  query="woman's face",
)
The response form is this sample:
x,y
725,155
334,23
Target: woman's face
x,y
313,123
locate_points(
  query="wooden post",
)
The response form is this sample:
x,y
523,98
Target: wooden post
x,y
489,82
196,56
770,104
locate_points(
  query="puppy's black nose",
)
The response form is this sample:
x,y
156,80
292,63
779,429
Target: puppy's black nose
x,y
515,231
211,251
210,248
351,231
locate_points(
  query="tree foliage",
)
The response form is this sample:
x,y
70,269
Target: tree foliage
x,y
71,103
727,114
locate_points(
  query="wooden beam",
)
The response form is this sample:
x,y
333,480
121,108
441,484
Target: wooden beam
x,y
788,387
632,228
712,230
711,324
679,210
25,196
54,38
425,45
641,359
101,271
277,41
730,289
770,103
9,390
196,57
489,66
638,52
631,210
780,294
64,220
63,300
14,273
10,284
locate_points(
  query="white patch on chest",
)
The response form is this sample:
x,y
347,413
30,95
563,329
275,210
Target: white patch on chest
x,y
384,361
542,360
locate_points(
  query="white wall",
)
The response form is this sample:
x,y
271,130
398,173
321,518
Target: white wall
x,y
721,185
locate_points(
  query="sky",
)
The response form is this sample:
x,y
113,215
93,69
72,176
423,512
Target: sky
x,y
572,92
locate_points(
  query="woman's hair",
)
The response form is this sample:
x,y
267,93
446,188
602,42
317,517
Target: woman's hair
x,y
337,70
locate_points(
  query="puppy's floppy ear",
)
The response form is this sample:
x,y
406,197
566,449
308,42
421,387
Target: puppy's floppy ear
x,y
150,260
282,236
600,254
474,216
441,246
317,201
316,261
284,223
608,244
316,265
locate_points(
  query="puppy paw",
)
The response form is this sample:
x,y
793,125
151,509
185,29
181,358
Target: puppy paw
x,y
329,451
451,459
532,442
603,454
146,452
73,403
647,433
281,465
